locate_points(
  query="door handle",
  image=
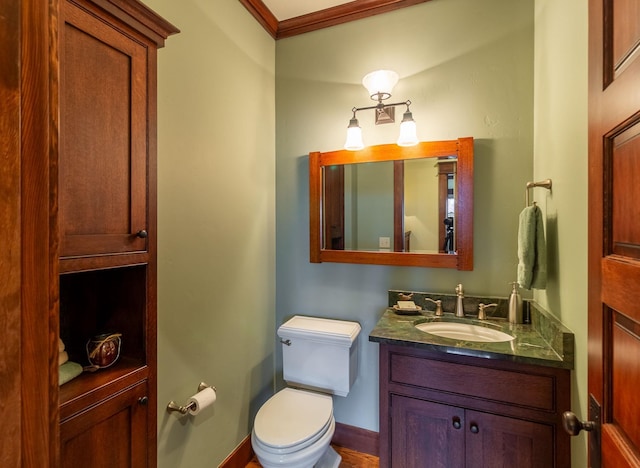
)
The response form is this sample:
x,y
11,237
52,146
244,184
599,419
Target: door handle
x,y
573,425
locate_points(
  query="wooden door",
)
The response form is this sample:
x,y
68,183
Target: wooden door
x,y
498,441
333,208
426,434
614,232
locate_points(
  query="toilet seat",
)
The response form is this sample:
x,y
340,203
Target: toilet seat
x,y
293,419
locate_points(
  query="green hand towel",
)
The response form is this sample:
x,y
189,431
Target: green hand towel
x,y
532,249
68,371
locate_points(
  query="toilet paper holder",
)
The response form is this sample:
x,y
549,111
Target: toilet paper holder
x,y
184,409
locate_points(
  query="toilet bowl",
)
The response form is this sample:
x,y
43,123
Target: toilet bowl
x,y
294,429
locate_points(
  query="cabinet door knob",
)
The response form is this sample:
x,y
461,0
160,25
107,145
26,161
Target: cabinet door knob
x,y
142,234
573,425
456,422
143,400
474,428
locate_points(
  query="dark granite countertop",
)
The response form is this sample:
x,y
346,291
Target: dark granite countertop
x,y
544,342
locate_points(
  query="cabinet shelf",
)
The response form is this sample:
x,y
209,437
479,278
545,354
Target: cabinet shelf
x,y
88,387
101,262
105,301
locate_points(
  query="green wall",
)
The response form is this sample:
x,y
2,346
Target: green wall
x,y
422,205
216,232
510,74
560,153
467,67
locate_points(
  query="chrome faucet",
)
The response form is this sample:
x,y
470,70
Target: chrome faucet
x,y
459,305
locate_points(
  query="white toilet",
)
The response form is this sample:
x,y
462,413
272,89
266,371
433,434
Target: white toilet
x,y
295,426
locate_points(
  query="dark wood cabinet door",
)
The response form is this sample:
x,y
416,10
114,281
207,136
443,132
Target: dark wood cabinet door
x,y
103,137
111,434
496,441
426,434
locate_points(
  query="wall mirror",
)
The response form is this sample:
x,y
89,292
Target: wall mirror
x,y
392,205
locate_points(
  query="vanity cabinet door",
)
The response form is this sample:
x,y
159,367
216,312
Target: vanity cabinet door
x,y
493,441
426,434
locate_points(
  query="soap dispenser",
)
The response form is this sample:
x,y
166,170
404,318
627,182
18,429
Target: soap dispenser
x,y
515,305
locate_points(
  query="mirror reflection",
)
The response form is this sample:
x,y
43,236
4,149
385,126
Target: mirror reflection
x,y
429,205
366,204
394,206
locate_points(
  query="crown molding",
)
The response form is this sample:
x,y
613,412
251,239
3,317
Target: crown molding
x,y
263,15
339,14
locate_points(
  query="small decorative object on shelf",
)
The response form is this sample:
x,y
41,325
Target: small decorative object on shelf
x,y
103,350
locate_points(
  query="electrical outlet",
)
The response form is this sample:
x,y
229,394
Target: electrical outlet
x,y
384,242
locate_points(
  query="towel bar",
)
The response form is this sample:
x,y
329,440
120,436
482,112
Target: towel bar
x,y
543,183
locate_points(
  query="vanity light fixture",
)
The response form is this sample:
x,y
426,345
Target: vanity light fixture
x,y
379,84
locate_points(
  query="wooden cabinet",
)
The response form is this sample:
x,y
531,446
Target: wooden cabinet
x,y
106,224
459,411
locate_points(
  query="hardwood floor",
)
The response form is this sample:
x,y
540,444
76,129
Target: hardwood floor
x,y
350,459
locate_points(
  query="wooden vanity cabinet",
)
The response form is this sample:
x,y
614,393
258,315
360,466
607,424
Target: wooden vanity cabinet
x,y
443,410
106,218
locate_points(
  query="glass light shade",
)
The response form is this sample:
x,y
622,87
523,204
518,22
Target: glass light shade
x,y
354,136
408,136
380,83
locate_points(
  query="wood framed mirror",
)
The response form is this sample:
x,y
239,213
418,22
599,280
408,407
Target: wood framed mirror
x,y
392,205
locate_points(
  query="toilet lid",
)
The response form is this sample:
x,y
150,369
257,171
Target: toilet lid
x,y
293,418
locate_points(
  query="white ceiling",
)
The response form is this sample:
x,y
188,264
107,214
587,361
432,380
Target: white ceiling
x,y
285,9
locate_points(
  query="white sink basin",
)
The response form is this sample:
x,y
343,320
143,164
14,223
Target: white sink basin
x,y
464,332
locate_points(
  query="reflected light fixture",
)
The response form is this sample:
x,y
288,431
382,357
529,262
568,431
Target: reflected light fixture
x,y
379,84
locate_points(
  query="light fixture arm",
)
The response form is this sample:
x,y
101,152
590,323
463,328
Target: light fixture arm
x,y
381,105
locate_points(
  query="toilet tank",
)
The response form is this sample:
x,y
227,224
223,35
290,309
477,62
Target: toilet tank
x,y
319,353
